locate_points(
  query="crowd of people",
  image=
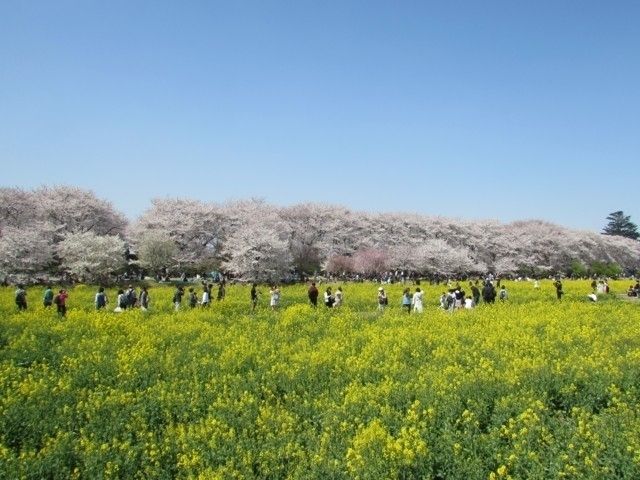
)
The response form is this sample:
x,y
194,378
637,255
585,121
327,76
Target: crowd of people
x,y
453,298
634,290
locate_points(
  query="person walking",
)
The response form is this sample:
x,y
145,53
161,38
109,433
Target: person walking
x,y
275,297
121,301
444,301
61,303
221,291
47,298
21,298
406,299
205,297
417,300
475,293
193,298
488,292
558,285
132,297
337,298
101,299
328,298
144,299
177,298
254,296
382,299
503,293
312,293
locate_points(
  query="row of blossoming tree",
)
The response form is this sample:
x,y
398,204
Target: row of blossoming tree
x,y
68,231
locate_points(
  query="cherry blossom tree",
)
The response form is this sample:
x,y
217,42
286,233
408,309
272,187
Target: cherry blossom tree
x,y
89,257
17,208
258,252
156,251
195,228
371,262
26,252
74,210
339,265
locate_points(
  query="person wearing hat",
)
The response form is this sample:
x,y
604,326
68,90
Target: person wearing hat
x,y
382,299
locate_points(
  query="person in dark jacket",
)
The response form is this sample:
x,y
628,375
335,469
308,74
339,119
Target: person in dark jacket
x,y
21,298
475,293
489,293
313,294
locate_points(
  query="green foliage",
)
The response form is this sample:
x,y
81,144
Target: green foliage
x,y
578,269
603,269
530,388
621,225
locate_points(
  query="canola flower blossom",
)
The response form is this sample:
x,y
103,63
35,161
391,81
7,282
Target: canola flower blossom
x,y
528,388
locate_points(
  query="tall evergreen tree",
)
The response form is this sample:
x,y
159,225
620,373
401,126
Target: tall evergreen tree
x,y
621,225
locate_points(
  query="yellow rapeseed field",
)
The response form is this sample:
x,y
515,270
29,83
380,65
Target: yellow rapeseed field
x,y
529,388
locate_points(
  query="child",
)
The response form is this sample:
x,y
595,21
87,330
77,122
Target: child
x,y
503,293
406,300
101,299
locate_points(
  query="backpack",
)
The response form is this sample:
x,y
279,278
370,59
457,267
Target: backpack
x,y
123,301
20,297
101,300
448,301
131,297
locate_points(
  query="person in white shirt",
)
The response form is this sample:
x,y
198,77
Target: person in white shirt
x,y
275,297
205,297
416,300
469,303
328,298
337,298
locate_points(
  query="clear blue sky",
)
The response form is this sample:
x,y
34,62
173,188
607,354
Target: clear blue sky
x,y
480,109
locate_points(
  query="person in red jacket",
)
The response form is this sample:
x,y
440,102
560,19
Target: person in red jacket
x,y
60,301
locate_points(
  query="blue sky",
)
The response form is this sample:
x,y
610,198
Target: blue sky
x,y
495,109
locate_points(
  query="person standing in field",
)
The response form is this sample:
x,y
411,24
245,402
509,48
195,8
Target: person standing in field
x,y
21,298
488,292
177,298
312,293
475,293
132,297
254,296
101,299
444,303
120,301
459,298
338,298
47,298
61,303
406,299
417,300
193,298
328,298
469,303
275,297
382,299
503,293
144,299
558,285
205,296
221,291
